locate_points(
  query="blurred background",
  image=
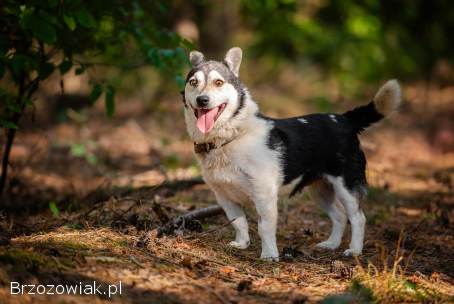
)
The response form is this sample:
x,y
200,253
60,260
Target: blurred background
x,y
103,79
95,155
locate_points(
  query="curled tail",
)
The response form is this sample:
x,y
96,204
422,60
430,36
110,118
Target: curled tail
x,y
386,101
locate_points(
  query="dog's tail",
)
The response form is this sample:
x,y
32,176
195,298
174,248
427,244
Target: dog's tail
x,y
386,101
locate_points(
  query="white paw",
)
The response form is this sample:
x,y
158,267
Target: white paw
x,y
328,245
240,244
352,252
269,258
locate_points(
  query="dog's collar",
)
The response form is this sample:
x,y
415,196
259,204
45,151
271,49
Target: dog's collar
x,y
208,146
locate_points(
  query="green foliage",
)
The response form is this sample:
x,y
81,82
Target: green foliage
x,y
361,291
39,37
110,105
54,209
85,151
355,40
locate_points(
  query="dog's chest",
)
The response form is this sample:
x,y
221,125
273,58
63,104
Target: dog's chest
x,y
224,172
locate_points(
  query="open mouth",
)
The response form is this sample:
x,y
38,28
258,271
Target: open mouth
x,y
207,117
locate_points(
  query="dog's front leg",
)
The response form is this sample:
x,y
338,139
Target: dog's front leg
x,y
266,206
235,214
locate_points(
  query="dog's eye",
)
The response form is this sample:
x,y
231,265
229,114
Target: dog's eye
x,y
193,82
218,82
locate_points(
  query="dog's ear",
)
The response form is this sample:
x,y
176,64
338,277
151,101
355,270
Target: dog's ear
x,y
196,58
233,60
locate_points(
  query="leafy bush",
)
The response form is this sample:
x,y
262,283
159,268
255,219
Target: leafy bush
x,y
40,37
355,40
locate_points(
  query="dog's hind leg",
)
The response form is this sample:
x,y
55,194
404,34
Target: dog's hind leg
x,y
235,214
324,194
355,215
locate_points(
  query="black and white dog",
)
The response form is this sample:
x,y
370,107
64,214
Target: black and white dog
x,y
247,157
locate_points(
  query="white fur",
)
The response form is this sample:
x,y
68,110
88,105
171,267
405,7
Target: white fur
x,y
355,215
237,174
233,60
388,97
325,195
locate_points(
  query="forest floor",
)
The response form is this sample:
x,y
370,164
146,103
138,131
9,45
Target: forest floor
x,y
80,209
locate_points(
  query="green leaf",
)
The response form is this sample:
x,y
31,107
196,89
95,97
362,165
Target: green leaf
x,y
95,92
45,70
410,285
50,18
78,150
27,101
187,44
52,3
153,56
2,70
4,44
180,81
42,30
91,159
18,64
65,66
181,54
110,101
167,53
54,209
70,22
85,18
8,124
80,70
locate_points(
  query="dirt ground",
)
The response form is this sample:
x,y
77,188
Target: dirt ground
x,y
80,209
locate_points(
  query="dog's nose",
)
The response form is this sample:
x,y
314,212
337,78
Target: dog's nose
x,y
202,100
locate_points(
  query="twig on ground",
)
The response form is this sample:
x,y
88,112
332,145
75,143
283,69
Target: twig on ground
x,y
210,230
173,186
135,261
198,214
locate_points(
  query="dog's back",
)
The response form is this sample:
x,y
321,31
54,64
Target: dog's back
x,y
327,144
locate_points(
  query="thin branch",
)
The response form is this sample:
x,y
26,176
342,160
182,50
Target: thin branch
x,y
198,214
24,90
10,133
211,230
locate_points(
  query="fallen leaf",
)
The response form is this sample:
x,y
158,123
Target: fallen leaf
x,y
227,269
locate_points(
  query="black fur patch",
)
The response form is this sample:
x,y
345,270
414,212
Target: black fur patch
x,y
318,144
241,102
363,116
183,99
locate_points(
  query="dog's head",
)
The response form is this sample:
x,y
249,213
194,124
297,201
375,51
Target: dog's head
x,y
213,93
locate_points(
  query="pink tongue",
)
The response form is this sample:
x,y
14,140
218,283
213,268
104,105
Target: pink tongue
x,y
205,119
